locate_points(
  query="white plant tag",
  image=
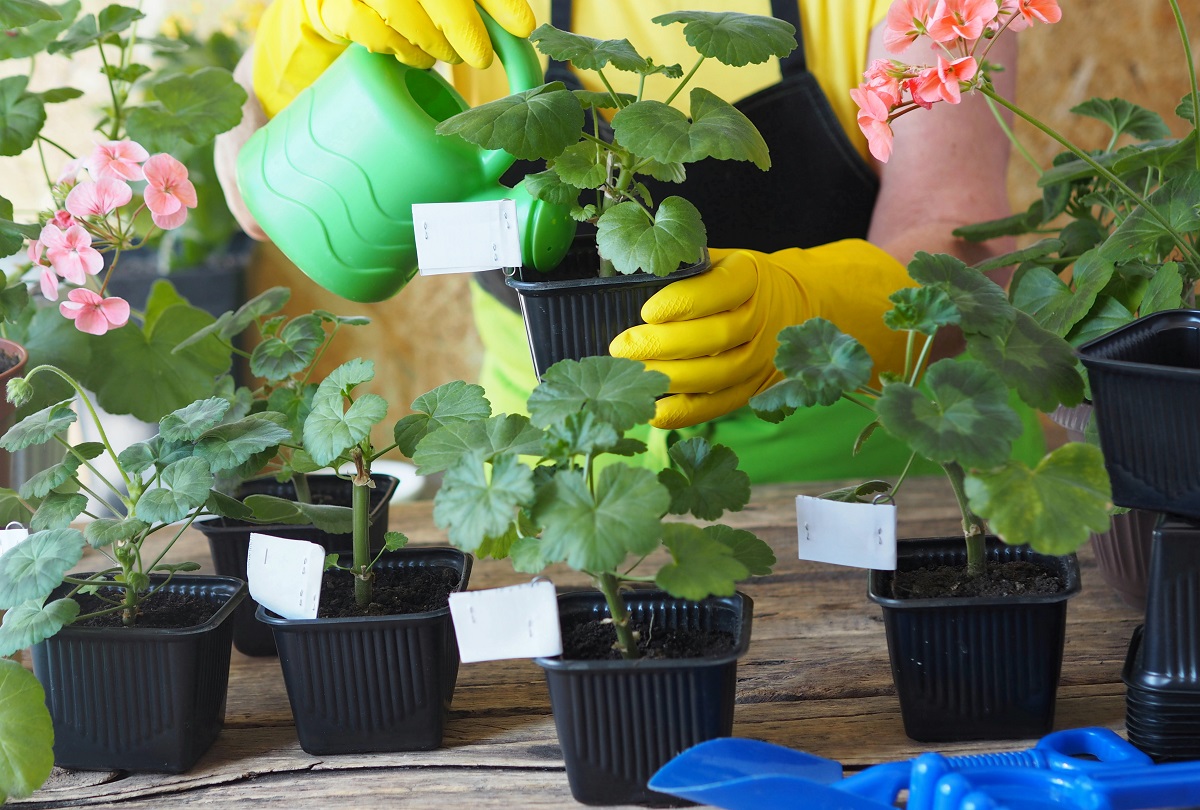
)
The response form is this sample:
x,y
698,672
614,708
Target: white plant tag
x,y
10,538
285,575
861,535
520,621
466,237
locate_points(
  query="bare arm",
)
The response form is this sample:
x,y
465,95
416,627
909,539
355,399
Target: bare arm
x,y
228,144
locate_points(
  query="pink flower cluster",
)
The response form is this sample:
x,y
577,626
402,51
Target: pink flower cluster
x,y
956,29
91,215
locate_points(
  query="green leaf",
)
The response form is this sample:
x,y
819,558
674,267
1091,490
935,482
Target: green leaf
x,y
1038,250
87,30
701,566
587,53
582,166
166,381
452,402
1185,109
1054,305
226,446
221,504
615,390
982,305
722,131
473,506
858,493
12,509
1140,233
537,123
747,548
819,362
185,487
549,187
732,38
331,429
1054,507
394,541
596,533
57,510
106,531
1106,315
1165,290
177,568
40,484
291,351
632,241
705,480
36,566
920,309
187,423
29,623
655,130
270,509
1013,225
38,428
604,100
1124,117
968,420
22,115
189,108
1040,365
26,732
20,13
579,434
32,25
526,555
504,433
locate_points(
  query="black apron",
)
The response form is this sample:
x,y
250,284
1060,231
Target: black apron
x,y
819,188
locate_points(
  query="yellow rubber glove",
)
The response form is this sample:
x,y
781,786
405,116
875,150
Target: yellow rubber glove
x,y
715,335
298,39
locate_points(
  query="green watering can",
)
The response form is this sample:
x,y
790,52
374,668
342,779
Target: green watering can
x,y
332,178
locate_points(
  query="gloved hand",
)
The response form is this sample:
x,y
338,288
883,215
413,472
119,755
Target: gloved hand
x,y
715,335
298,39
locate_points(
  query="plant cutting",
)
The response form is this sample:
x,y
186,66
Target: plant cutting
x,y
391,600
102,200
552,487
138,603
602,174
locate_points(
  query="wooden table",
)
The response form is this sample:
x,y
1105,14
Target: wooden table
x,y
816,678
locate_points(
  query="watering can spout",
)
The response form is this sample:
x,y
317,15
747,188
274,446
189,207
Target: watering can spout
x,y
333,177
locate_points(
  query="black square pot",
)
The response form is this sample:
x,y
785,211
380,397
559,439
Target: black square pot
x,y
376,683
570,313
618,722
229,541
140,699
975,668
1145,381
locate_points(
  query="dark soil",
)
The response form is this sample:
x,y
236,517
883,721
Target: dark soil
x,y
7,360
163,609
594,640
1000,579
397,591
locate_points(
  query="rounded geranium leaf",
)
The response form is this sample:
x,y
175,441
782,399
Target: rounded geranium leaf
x,y
32,25
705,480
1040,365
722,131
581,166
747,548
187,423
981,303
226,446
655,130
615,390
291,351
733,38
39,428
473,506
188,108
920,309
537,123
587,53
57,510
968,420
819,362
455,401
632,241
22,115
185,486
36,566
26,732
701,565
503,433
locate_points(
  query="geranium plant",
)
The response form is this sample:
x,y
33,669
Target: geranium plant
x,y
597,174
551,487
118,194
1117,222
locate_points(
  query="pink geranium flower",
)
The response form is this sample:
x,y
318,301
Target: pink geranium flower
x,y
48,280
906,20
961,19
70,172
169,193
63,219
71,253
881,77
93,314
944,82
1045,11
120,160
873,121
99,198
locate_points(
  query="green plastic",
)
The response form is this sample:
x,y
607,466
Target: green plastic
x,y
333,177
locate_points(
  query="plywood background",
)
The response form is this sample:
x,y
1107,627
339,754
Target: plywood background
x,y
425,336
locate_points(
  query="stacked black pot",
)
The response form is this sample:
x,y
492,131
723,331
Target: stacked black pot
x,y
1145,380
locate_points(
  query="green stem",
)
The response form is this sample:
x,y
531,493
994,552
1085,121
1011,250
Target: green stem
x,y
1187,50
683,83
1107,174
91,410
903,474
610,586
858,402
611,91
112,91
303,492
360,503
974,529
1012,137
87,463
920,366
195,514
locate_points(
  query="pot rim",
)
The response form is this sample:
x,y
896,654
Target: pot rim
x,y
239,592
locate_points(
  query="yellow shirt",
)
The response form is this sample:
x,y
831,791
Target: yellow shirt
x,y
836,33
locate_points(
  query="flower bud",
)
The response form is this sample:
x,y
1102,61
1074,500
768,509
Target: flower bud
x,y
20,391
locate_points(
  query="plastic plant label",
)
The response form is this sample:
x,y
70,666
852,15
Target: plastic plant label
x,y
861,535
10,538
285,575
466,237
520,621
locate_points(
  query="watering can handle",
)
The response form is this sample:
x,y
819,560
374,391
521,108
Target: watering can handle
x,y
524,72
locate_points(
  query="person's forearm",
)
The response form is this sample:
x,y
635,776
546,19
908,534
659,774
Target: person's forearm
x,y
228,144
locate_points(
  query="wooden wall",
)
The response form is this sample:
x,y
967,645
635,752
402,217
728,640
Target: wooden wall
x,y
425,336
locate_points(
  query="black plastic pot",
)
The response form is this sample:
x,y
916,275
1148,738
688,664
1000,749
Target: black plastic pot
x,y
974,668
1145,381
377,683
618,722
216,285
570,313
229,541
140,699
